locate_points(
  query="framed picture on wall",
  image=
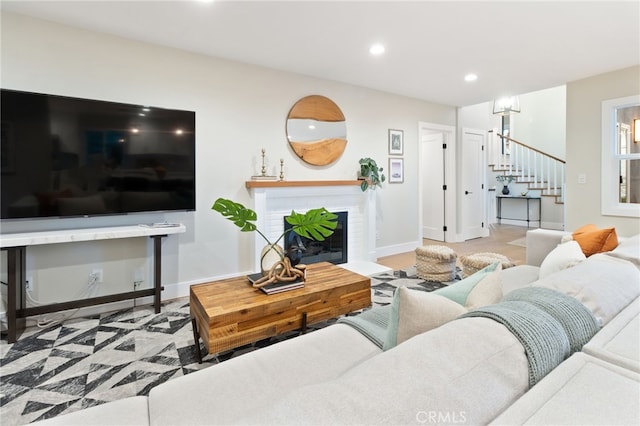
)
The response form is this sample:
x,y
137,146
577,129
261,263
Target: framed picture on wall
x,y
396,142
396,170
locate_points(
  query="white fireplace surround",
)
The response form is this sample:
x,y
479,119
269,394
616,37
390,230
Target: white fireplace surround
x,y
272,203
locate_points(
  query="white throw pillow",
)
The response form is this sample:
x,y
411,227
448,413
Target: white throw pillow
x,y
414,312
562,257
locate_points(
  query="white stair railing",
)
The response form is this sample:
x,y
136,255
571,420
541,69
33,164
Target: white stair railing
x,y
539,170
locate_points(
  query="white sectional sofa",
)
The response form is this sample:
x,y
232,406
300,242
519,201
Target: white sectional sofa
x,y
472,370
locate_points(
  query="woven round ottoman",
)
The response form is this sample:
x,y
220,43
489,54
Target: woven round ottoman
x,y
474,262
436,263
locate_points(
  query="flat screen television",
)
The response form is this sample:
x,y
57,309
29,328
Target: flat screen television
x,y
66,157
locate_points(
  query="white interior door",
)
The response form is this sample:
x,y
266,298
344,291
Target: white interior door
x,y
473,184
433,196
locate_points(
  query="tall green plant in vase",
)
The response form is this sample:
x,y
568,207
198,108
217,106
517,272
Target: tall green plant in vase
x,y
316,224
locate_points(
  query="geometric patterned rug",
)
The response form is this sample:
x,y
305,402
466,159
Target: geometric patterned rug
x,y
89,361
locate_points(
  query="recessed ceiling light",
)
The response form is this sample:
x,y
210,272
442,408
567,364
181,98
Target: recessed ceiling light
x,y
470,77
376,49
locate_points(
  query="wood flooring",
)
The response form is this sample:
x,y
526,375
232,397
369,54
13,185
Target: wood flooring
x,y
497,242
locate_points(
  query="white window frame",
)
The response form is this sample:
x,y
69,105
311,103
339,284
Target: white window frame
x,y
610,203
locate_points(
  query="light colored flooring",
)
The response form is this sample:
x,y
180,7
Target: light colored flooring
x,y
497,242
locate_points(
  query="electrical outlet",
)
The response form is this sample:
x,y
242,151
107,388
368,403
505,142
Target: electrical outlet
x,y
98,274
30,284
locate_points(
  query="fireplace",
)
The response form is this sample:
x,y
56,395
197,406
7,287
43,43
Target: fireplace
x,y
274,200
332,249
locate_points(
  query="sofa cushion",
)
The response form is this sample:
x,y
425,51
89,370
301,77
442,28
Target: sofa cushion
x,y
414,312
604,284
619,341
594,240
519,276
562,257
127,411
628,249
472,378
540,242
582,390
479,289
542,336
252,382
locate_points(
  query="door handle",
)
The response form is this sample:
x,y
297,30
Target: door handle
x,y
467,192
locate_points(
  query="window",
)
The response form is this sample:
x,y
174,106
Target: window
x,y
620,157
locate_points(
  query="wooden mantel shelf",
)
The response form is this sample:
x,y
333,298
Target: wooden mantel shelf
x,y
289,183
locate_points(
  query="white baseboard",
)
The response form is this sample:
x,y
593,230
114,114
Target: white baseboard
x,y
522,223
553,225
397,248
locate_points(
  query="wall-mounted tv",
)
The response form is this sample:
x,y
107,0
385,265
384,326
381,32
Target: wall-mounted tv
x,y
66,157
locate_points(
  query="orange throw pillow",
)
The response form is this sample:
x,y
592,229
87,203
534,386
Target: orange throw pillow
x,y
593,240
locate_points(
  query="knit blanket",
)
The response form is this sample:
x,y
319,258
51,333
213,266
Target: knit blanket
x,y
372,323
578,322
544,340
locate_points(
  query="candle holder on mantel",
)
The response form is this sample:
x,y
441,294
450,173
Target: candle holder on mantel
x,y
281,169
263,171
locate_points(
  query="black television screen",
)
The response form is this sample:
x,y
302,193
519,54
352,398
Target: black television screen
x,y
65,157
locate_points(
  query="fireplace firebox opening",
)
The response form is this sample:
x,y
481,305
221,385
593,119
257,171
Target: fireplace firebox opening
x,y
307,251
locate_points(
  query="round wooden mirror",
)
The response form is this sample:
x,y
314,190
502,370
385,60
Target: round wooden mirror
x,y
316,130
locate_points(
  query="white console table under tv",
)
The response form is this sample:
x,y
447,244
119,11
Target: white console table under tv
x,y
16,246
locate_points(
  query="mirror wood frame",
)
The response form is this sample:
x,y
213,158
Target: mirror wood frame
x,y
325,140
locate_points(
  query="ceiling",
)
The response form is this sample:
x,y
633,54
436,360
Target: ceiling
x,y
514,47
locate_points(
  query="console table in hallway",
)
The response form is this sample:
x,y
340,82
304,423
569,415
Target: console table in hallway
x,y
230,313
528,199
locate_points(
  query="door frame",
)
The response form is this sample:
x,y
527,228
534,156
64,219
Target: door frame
x,y
450,205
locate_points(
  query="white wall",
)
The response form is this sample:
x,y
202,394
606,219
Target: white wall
x,y
542,121
239,110
584,116
540,124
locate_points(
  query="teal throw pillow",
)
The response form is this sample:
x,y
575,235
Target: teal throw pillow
x,y
480,289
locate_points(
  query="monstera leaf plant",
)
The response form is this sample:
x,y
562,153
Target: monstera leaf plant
x,y
316,224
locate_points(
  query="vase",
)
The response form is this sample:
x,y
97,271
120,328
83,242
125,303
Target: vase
x,y
505,190
269,256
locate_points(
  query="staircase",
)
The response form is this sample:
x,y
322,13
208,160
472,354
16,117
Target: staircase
x,y
537,170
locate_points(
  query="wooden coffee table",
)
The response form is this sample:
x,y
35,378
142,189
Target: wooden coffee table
x,y
230,313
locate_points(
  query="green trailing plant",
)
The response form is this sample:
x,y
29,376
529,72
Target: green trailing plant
x,y
505,179
316,224
370,173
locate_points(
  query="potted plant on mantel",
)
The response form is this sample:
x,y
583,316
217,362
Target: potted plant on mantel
x,y
370,174
315,224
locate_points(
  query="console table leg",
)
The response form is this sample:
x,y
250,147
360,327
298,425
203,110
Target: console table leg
x,y
196,339
16,270
157,270
303,328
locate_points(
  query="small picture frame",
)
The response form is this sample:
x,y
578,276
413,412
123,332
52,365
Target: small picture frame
x,y
396,170
396,142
